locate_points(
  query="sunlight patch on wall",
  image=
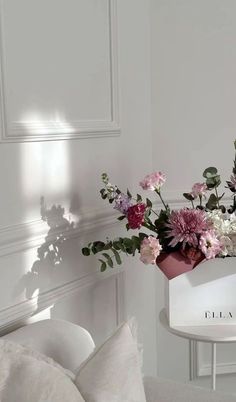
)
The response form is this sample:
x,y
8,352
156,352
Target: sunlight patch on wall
x,y
45,165
37,124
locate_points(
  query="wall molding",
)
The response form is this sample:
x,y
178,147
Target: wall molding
x,y
19,237
55,130
221,368
13,315
23,236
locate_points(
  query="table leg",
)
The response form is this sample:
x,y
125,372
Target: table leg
x,y
192,354
213,365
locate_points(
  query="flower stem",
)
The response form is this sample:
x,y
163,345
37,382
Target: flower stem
x,y
217,195
200,198
154,212
150,227
163,202
192,204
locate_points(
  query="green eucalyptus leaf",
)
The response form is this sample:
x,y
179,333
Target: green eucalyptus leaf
x,y
142,236
213,182
85,251
97,247
212,202
107,246
210,172
103,266
121,218
188,196
109,260
128,193
117,256
117,245
148,203
139,198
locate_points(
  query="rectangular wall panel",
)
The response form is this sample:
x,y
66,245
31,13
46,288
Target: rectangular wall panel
x,y
59,69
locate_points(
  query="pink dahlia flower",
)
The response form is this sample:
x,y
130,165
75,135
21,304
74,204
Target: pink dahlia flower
x,y
153,181
135,215
210,245
149,250
199,190
185,225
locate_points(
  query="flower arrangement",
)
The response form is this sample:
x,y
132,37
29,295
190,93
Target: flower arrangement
x,y
204,230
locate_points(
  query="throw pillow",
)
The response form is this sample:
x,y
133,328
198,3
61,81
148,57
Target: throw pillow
x,y
27,376
112,372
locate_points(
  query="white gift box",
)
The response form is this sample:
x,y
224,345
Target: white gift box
x,y
205,295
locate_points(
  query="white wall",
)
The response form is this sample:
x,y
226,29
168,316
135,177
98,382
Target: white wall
x,y
75,102
193,120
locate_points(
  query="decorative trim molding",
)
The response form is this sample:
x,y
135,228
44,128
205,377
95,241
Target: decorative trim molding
x,y
221,368
16,238
23,236
10,316
55,130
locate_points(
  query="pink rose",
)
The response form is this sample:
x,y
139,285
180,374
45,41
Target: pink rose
x,y
199,190
135,215
153,181
150,250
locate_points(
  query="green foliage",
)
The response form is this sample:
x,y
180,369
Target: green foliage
x,y
121,217
212,177
113,249
148,203
139,198
86,251
188,196
103,265
212,202
129,193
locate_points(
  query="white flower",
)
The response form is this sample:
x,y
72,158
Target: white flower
x,y
227,247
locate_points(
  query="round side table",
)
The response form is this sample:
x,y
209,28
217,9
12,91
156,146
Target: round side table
x,y
209,333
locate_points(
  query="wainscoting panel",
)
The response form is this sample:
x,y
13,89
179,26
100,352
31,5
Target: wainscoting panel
x,y
66,81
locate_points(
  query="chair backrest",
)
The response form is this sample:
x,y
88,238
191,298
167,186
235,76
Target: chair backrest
x,y
68,344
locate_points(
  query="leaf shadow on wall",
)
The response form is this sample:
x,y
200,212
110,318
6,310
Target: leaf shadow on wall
x,y
49,267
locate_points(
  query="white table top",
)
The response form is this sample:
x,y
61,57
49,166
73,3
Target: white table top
x,y
205,333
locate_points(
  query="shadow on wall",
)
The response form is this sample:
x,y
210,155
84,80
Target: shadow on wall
x,y
49,265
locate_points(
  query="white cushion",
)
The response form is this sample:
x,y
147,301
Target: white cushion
x,y
26,376
112,373
162,390
48,336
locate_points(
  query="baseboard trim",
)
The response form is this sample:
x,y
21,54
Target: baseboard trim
x,y
221,368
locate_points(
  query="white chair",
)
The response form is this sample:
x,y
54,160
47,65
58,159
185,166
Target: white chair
x,y
69,345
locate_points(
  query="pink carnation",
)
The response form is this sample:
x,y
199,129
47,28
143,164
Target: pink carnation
x,y
209,244
153,181
199,190
149,250
186,225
